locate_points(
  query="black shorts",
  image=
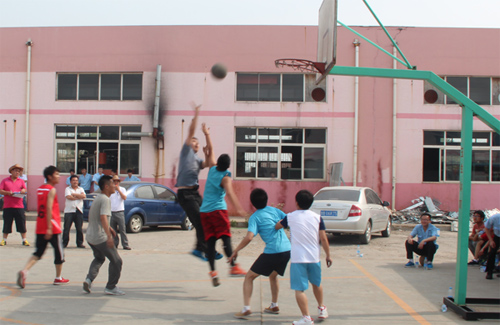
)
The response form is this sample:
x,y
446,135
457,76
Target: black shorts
x,y
55,241
265,264
11,214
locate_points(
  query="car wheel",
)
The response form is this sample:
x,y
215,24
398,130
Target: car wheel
x,y
135,224
387,231
365,238
186,224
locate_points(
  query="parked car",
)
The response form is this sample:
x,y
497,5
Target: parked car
x,y
147,204
353,210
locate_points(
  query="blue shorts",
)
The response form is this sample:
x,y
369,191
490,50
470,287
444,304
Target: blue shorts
x,y
303,273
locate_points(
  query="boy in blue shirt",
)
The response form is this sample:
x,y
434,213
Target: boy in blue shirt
x,y
276,253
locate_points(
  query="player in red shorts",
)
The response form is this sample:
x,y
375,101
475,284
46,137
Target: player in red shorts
x,y
214,216
48,227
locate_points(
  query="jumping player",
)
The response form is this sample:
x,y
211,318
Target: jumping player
x,y
276,254
48,227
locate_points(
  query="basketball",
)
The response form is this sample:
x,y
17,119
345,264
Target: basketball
x,y
219,71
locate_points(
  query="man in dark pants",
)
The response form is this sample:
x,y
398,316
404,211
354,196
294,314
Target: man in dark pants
x,y
187,181
426,244
73,211
492,229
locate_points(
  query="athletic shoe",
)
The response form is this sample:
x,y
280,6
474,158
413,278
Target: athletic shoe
x,y
429,266
21,279
215,278
218,256
114,292
3,242
410,264
128,248
272,310
473,262
236,270
303,321
26,243
87,285
61,281
81,246
241,315
199,254
322,312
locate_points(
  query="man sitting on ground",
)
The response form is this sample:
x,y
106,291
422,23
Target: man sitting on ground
x,y
477,237
426,244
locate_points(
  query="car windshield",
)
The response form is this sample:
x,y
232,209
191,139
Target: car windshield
x,y
338,195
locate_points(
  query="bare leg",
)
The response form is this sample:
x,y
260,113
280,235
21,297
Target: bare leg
x,y
275,286
478,249
32,261
23,236
248,287
301,298
58,270
318,293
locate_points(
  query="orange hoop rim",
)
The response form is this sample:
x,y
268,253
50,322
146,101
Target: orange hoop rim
x,y
301,65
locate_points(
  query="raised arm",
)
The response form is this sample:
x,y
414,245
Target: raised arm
x,y
208,150
192,126
227,184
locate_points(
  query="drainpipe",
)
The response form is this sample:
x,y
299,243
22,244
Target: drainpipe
x,y
394,144
29,43
356,108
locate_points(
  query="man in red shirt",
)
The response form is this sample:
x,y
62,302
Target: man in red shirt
x,y
13,207
48,227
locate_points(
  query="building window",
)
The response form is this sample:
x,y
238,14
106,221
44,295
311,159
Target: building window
x,y
94,146
275,87
99,86
441,159
482,90
280,153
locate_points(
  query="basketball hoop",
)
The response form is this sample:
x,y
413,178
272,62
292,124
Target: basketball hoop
x,y
301,65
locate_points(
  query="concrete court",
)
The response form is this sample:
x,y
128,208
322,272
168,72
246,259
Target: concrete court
x,y
165,285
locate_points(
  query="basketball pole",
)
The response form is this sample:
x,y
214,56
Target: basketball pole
x,y
469,110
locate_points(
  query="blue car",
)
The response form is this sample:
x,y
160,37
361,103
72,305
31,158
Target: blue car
x,y
147,204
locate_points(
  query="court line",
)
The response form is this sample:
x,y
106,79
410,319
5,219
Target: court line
x,y
391,294
13,293
15,321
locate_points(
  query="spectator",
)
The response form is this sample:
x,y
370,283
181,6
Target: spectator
x,y
475,239
96,178
85,180
73,212
426,247
68,180
492,229
130,177
117,221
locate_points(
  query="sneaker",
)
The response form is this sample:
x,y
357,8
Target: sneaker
x,y
26,243
21,279
3,242
87,285
429,266
128,248
410,264
236,270
114,292
322,312
473,262
272,310
61,281
303,321
81,246
215,278
199,254
241,315
218,256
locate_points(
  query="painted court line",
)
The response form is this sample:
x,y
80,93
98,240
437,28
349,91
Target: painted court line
x,y
393,296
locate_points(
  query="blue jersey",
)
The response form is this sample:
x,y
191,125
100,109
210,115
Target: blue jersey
x,y
213,197
262,222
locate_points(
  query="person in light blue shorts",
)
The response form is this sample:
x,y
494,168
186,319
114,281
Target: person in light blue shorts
x,y
307,231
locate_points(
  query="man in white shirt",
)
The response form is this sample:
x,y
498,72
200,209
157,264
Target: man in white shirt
x,y
73,211
117,221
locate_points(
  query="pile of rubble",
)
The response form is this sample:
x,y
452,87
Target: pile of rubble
x,y
422,204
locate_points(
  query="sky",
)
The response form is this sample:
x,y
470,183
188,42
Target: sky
x,y
419,13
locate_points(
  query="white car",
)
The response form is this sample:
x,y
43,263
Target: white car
x,y
353,210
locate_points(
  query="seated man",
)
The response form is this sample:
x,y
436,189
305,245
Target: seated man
x,y
477,237
492,229
426,246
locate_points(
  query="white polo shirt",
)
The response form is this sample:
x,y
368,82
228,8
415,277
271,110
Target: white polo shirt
x,y
117,203
72,205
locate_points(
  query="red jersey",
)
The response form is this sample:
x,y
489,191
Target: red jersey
x,y
41,223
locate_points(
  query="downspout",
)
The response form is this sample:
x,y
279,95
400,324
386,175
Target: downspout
x,y
29,43
356,108
394,144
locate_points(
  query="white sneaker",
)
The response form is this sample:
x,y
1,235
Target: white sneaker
x,y
115,291
322,312
303,321
87,285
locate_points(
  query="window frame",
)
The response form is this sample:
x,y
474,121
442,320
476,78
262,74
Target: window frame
x,y
258,74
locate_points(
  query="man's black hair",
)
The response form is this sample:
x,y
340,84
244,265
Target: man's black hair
x,y
426,214
258,197
130,171
71,177
480,213
105,179
49,171
304,199
71,170
223,162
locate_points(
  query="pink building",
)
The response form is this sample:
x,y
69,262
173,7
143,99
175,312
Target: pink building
x,y
89,85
